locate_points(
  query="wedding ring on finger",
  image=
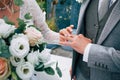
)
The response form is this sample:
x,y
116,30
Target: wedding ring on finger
x,y
66,35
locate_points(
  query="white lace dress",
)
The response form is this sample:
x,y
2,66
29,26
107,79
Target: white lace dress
x,y
30,6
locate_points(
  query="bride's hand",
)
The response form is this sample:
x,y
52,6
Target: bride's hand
x,y
65,32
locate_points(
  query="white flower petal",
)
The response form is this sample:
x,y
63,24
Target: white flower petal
x,y
50,63
25,70
19,46
6,29
45,55
32,58
9,31
2,21
16,61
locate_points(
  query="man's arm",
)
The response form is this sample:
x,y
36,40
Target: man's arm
x,y
105,58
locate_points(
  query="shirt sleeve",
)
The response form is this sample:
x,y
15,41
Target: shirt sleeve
x,y
86,52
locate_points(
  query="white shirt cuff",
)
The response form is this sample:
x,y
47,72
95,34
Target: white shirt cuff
x,y
86,52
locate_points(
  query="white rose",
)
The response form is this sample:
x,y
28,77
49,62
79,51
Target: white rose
x,y
44,56
25,70
33,57
33,35
6,29
19,46
16,61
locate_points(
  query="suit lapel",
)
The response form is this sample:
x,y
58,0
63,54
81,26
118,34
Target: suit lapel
x,y
111,22
81,14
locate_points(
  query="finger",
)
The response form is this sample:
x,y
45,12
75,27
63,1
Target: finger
x,y
66,43
71,39
81,35
62,38
70,71
74,78
64,32
70,28
89,40
67,31
72,36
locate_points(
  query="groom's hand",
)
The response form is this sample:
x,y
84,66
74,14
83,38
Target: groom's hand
x,y
77,42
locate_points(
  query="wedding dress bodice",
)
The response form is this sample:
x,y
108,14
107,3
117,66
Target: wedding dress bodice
x,y
30,6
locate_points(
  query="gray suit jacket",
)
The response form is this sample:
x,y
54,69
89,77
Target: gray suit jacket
x,y
104,57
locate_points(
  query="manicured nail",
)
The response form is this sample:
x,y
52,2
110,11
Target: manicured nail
x,y
72,25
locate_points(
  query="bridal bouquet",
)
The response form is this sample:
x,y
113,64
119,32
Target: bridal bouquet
x,y
22,51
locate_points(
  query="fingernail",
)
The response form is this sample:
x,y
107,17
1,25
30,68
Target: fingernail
x,y
71,30
71,25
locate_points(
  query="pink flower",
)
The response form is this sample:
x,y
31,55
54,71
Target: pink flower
x,y
4,68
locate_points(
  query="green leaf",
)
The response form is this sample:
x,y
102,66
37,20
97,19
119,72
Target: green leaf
x,y
18,2
39,67
58,70
14,76
50,71
8,21
21,27
4,49
40,47
20,21
31,26
28,16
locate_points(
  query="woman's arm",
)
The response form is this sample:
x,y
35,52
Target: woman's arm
x,y
38,18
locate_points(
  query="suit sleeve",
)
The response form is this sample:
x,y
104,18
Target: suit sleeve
x,y
104,58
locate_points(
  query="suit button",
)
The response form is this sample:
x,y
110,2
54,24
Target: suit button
x,y
95,63
99,65
106,67
103,66
96,25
